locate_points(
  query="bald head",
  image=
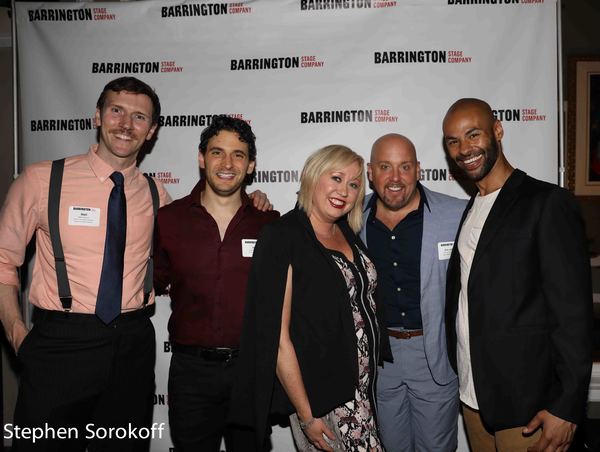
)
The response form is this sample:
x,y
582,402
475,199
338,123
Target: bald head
x,y
473,106
472,136
394,173
393,140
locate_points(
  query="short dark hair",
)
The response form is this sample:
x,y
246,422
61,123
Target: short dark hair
x,y
239,126
134,86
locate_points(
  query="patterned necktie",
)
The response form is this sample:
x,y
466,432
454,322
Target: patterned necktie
x,y
110,291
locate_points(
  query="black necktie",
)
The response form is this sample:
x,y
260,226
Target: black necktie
x,y
110,291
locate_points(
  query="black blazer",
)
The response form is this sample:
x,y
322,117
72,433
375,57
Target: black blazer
x,y
530,306
322,326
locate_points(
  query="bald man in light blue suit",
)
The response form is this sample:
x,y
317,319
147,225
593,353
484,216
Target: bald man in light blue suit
x,y
410,232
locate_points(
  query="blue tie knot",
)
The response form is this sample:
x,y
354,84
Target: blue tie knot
x,y
117,178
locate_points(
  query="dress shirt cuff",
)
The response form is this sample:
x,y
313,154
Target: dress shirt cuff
x,y
8,275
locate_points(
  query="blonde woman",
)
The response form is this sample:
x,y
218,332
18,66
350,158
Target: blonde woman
x,y
312,343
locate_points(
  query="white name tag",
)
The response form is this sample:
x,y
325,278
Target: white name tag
x,y
84,216
445,250
248,247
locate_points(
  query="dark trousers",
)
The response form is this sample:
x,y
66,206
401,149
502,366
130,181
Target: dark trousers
x,y
85,377
199,395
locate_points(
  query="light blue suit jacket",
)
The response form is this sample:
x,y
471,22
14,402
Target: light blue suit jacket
x,y
440,223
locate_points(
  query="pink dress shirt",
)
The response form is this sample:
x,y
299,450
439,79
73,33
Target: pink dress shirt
x,y
86,183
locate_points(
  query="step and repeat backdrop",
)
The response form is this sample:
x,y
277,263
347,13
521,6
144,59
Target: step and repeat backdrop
x,y
303,74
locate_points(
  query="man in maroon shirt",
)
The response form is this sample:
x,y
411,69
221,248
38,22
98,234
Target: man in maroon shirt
x,y
203,250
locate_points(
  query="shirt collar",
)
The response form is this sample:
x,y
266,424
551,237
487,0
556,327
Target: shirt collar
x,y
196,199
424,201
103,170
372,204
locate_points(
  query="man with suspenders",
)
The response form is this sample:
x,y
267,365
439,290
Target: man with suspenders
x,y
88,361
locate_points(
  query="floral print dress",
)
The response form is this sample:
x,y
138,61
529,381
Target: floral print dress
x,y
356,419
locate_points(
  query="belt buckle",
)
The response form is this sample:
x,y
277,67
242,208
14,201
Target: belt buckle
x,y
227,352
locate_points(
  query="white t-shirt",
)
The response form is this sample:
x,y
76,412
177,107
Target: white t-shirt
x,y
467,244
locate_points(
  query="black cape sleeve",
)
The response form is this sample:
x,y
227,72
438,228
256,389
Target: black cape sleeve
x,y
252,393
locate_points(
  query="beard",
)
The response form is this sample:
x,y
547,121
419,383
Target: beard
x,y
490,156
396,204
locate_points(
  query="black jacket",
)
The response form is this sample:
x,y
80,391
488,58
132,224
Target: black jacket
x,y
530,306
322,327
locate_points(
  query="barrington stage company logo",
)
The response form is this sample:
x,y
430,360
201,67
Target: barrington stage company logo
x,y
317,5
493,2
435,174
274,63
421,56
166,177
526,114
355,115
59,125
70,15
161,399
204,9
135,67
279,176
195,120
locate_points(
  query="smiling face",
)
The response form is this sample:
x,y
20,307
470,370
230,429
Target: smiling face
x,y
394,172
226,163
125,123
335,193
472,137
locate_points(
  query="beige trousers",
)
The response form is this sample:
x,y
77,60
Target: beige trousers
x,y
509,440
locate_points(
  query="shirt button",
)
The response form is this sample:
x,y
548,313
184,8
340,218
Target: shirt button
x,y
398,289
393,237
395,264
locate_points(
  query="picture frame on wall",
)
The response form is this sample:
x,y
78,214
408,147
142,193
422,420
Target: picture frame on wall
x,y
583,125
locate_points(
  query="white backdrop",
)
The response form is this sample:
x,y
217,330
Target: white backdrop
x,y
303,73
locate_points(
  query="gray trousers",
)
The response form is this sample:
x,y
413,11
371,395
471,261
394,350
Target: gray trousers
x,y
415,414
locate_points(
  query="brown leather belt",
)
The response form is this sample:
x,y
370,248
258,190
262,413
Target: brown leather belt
x,y
405,334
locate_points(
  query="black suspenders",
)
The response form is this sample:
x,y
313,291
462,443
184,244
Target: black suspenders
x,y
64,289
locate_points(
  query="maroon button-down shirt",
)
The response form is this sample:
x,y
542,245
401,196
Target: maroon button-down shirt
x,y
205,277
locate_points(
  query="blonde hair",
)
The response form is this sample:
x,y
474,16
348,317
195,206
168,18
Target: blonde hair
x,y
331,158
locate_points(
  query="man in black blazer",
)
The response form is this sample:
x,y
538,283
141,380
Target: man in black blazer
x,y
519,303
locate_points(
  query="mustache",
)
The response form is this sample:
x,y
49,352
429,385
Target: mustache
x,y
122,130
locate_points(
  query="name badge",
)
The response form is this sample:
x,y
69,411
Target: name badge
x,y
248,247
84,216
445,250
